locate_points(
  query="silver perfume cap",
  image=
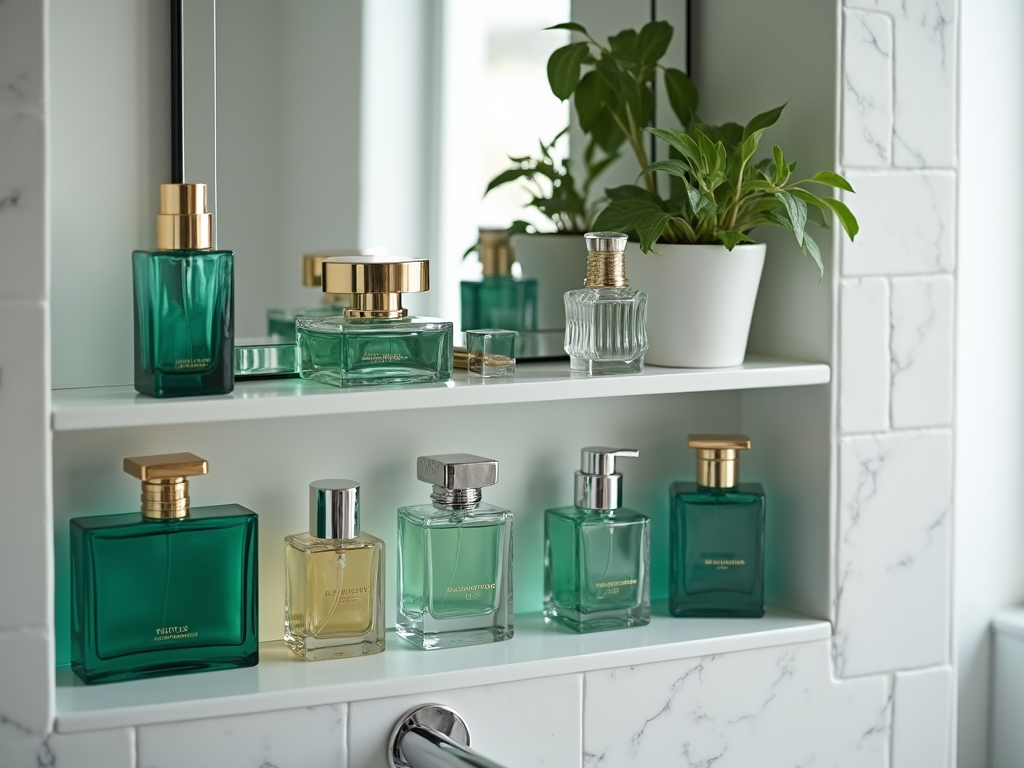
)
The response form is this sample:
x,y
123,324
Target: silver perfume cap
x,y
457,478
606,242
334,509
598,485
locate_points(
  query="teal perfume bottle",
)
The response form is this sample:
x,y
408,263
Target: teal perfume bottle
x,y
455,558
499,300
597,553
716,541
184,302
375,342
168,591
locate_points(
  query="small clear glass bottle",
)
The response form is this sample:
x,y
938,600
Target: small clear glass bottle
x,y
455,558
375,342
168,591
606,321
597,553
716,539
281,320
184,302
499,300
334,579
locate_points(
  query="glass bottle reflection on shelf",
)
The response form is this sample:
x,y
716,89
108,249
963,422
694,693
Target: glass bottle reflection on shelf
x,y
455,558
716,541
597,553
375,342
334,579
606,320
183,302
499,300
167,591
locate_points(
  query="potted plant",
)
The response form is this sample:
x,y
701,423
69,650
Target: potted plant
x,y
695,257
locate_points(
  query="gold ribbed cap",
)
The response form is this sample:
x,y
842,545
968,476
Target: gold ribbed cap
x,y
376,283
183,221
606,260
495,251
165,482
718,458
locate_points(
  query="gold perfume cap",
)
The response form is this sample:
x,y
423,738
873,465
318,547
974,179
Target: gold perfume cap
x,y
183,222
495,251
376,283
606,260
718,458
312,263
165,482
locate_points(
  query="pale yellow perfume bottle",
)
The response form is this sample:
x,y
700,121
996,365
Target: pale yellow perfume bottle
x,y
334,579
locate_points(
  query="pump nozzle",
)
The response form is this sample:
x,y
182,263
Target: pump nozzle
x,y
598,485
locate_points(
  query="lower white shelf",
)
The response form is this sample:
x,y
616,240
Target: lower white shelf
x,y
283,681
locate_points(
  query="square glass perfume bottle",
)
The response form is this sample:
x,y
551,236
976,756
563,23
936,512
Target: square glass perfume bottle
x,y
606,320
184,302
716,540
375,342
597,553
499,300
455,558
491,352
334,579
167,591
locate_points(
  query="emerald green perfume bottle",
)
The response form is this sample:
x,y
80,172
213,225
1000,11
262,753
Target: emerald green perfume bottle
x,y
167,591
597,553
375,342
499,300
455,558
184,302
716,541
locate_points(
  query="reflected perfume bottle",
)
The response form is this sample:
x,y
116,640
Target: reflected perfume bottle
x,y
167,591
716,541
597,553
499,300
334,579
375,342
184,302
455,558
606,321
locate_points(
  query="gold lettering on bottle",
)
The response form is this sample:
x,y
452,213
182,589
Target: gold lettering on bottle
x,y
606,584
722,564
191,363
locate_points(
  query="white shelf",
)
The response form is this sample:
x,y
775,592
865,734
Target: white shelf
x,y
114,407
283,681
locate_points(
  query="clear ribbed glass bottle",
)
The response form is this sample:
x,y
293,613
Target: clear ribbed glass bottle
x,y
606,320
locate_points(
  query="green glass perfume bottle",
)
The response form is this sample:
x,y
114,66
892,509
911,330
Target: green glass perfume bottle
x,y
597,553
167,591
455,558
184,302
499,300
281,320
375,342
716,541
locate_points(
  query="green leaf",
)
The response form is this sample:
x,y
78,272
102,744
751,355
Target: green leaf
x,y
763,121
678,168
730,134
591,95
572,26
506,176
624,42
650,228
623,215
698,201
796,209
811,247
810,199
682,142
731,238
631,192
845,216
748,148
606,132
653,42
564,68
682,96
780,162
622,83
830,179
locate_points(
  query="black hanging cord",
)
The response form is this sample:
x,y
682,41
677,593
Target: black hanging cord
x,y
177,113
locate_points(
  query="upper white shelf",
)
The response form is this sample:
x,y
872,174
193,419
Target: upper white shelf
x,y
283,681
114,407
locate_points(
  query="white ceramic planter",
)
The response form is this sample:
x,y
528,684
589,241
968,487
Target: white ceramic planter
x,y
701,301
558,263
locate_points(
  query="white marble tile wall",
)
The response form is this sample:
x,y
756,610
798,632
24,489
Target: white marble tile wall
x,y
864,348
867,88
923,719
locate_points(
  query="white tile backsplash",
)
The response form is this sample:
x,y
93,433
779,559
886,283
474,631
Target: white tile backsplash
x,y
922,718
921,345
864,355
892,604
867,88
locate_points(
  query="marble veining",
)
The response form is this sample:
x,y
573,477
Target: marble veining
x,y
867,89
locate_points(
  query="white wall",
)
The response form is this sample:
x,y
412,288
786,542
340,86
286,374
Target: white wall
x,y
990,340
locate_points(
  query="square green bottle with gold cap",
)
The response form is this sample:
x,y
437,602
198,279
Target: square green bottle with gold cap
x,y
170,590
499,300
184,302
716,539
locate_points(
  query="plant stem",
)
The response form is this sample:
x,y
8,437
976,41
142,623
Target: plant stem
x,y
637,144
734,211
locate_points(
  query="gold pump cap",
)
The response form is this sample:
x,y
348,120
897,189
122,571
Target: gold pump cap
x,y
165,482
606,260
183,222
377,283
495,251
718,458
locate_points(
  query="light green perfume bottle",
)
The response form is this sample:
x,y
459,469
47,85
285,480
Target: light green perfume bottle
x,y
375,342
455,558
499,300
597,553
167,591
184,302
